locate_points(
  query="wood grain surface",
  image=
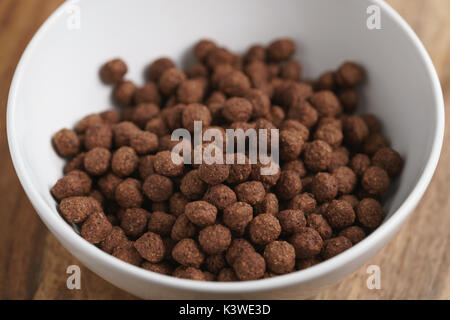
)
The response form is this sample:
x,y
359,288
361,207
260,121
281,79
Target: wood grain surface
x,y
415,265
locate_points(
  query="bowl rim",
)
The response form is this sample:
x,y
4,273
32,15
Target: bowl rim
x,y
78,245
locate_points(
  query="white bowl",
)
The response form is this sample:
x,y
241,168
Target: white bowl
x,y
56,83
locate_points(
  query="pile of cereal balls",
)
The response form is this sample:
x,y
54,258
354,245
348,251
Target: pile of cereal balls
x,y
219,222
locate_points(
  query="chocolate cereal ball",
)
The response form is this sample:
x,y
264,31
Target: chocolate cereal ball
x,y
143,113
304,202
215,263
214,239
164,165
214,173
307,243
134,222
388,159
251,192
260,102
249,266
369,213
373,143
324,186
326,103
161,223
124,161
182,228
238,247
201,213
122,133
157,68
237,216
145,166
288,185
71,185
66,143
96,227
340,214
291,70
291,144
335,246
113,71
108,184
158,188
115,238
177,203
375,181
144,142
317,155
195,112
239,172
304,113
280,257
147,94
320,224
191,91
124,92
350,198
280,50
359,163
170,80
192,186
255,53
190,273
355,131
268,205
291,221
264,229
96,162
160,267
128,193
346,179
237,109
349,74
329,133
354,233
349,100
151,247
234,84
98,136
372,122
76,209
202,48
220,196
187,253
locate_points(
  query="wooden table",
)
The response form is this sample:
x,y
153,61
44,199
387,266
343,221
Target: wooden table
x,y
415,265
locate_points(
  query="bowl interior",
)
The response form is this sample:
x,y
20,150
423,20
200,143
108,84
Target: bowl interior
x,y
57,83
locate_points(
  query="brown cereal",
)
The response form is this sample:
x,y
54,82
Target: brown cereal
x,y
288,185
324,186
124,161
160,267
201,213
76,209
134,222
113,71
326,103
307,243
164,165
349,74
354,233
330,134
128,193
96,227
291,144
192,186
291,70
99,136
195,112
317,155
97,161
144,142
355,131
170,80
239,171
335,246
114,239
161,223
108,184
249,266
268,205
304,113
237,109
182,228
375,181
75,183
128,253
291,221
150,246
359,163
214,239
235,84
373,143
326,81
66,143
280,257
191,91
177,203
369,213
220,196
237,216
251,192
157,187
349,100
214,173
147,94
227,275
280,50
157,68
215,263
264,228
346,179
304,202
320,224
124,92
122,133
189,273
388,159
340,214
